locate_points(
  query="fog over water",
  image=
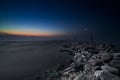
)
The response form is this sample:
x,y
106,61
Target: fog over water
x,y
19,60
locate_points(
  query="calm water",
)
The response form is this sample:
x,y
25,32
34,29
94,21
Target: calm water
x,y
22,60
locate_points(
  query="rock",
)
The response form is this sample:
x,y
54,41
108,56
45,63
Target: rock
x,y
116,60
92,62
68,51
77,59
97,75
115,63
102,51
86,53
106,57
105,75
78,77
97,67
116,56
110,69
89,62
99,63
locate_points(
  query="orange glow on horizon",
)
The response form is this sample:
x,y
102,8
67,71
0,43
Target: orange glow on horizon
x,y
29,33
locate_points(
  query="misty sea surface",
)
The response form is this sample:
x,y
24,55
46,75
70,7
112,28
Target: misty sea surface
x,y
21,60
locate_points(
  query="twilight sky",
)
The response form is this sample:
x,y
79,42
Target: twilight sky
x,y
59,17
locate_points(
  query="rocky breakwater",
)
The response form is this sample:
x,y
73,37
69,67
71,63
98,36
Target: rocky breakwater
x,y
89,62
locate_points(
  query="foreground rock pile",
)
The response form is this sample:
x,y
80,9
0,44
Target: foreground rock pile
x,y
89,62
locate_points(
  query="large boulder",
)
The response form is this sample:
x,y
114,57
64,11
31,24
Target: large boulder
x,y
115,63
116,56
106,57
95,62
110,69
116,60
105,75
92,62
77,60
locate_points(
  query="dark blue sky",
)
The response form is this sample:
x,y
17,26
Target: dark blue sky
x,y
61,16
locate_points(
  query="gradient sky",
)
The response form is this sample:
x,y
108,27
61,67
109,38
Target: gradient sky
x,y
59,17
